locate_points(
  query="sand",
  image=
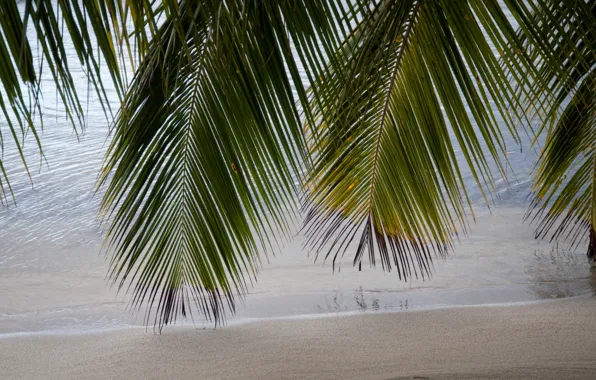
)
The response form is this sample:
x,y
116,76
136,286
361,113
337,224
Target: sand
x,y
551,339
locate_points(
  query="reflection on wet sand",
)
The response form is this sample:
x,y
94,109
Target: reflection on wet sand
x,y
549,273
362,300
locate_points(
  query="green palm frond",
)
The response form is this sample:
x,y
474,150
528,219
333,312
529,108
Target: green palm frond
x,y
565,189
207,153
415,81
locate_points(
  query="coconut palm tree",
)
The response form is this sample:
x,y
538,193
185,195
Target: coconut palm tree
x,y
220,145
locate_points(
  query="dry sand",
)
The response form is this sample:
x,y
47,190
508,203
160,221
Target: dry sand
x,y
553,339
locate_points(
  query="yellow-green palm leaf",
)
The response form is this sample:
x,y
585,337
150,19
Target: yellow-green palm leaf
x,y
415,81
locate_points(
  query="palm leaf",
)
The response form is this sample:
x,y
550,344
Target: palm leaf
x,y
415,81
207,153
48,24
564,189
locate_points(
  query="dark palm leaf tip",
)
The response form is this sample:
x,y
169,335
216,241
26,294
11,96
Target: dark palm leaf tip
x,y
413,80
200,174
564,192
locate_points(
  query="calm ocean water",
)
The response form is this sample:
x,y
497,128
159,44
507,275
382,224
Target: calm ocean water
x,y
52,275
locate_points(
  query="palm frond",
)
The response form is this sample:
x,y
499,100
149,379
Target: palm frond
x,y
203,171
564,189
49,25
416,81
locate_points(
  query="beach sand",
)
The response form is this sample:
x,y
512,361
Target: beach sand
x,y
550,339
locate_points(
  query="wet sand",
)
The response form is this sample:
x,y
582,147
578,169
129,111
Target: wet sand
x,y
549,339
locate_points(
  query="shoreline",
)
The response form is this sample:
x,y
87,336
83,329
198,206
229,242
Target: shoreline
x,y
245,321
537,339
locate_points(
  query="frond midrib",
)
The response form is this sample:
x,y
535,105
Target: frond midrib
x,y
405,43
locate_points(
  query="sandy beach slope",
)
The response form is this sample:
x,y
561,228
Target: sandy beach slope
x,y
553,339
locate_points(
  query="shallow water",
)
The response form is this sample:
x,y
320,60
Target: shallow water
x,y
52,275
